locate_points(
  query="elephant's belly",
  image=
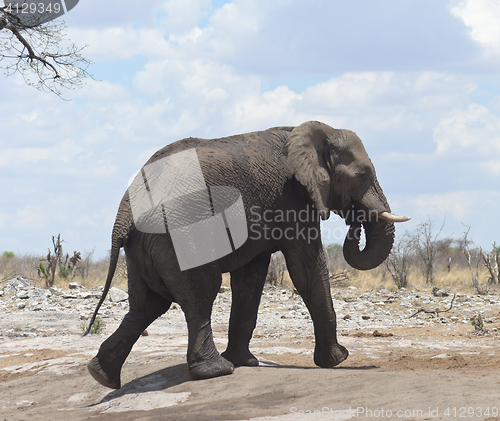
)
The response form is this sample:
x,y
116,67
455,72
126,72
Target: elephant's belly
x,y
246,254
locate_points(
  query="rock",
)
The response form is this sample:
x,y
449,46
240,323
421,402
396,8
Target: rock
x,y
439,292
9,289
84,295
55,291
116,295
378,334
365,317
223,289
73,285
440,356
24,404
491,320
23,295
21,305
19,282
39,294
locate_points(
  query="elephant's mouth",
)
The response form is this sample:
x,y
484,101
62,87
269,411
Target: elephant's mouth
x,y
353,214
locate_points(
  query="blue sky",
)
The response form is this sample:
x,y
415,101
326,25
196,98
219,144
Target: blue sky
x,y
416,80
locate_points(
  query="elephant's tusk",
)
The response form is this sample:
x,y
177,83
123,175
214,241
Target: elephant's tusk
x,y
389,217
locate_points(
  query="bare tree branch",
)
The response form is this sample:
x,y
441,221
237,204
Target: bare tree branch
x,y
40,53
436,311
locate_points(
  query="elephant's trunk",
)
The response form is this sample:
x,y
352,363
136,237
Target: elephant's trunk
x,y
379,240
374,215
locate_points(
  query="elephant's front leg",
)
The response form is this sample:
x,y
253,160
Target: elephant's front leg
x,y
307,268
246,285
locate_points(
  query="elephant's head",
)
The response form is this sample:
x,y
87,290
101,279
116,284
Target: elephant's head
x,y
336,171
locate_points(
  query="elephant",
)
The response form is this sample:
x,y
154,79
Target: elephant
x,y
265,191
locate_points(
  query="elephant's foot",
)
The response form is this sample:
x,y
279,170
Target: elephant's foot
x,y
107,377
215,367
327,357
240,358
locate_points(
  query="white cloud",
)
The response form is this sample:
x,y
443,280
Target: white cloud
x,y
262,111
458,210
101,90
121,43
482,17
182,16
62,152
457,204
474,131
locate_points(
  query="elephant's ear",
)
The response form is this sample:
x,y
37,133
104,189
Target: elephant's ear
x,y
309,156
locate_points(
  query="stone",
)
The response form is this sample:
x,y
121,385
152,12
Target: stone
x,y
39,294
116,295
22,295
73,285
19,282
9,289
21,305
439,292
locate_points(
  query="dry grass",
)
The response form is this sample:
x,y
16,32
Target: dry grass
x,y
457,280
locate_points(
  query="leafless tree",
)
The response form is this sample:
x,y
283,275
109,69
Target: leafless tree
x,y
491,261
473,261
398,263
277,268
37,49
427,247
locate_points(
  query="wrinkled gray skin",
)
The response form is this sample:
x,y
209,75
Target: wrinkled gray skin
x,y
312,168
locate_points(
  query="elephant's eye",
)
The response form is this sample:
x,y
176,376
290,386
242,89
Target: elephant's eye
x,y
363,177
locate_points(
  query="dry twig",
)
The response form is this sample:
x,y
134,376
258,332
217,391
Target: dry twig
x,y
436,311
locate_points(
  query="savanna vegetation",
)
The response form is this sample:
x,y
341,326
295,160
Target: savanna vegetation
x,y
419,259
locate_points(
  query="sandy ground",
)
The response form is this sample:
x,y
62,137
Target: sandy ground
x,y
436,371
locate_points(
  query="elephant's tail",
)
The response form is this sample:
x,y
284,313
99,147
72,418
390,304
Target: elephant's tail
x,y
116,245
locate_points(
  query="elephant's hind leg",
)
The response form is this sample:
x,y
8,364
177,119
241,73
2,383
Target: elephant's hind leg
x,y
106,366
246,285
196,299
204,360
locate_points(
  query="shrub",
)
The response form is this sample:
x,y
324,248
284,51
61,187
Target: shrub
x,y
64,272
97,327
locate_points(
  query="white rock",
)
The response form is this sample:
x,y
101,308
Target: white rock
x,y
73,285
9,289
116,295
22,295
441,356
